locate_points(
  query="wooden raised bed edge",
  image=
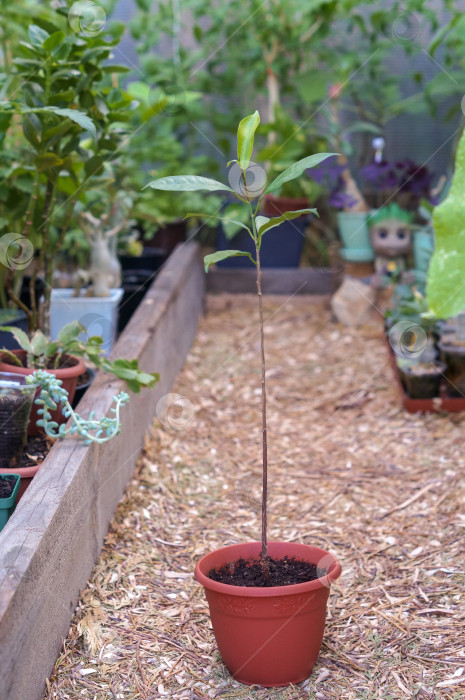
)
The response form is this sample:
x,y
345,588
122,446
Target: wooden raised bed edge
x,y
50,544
300,280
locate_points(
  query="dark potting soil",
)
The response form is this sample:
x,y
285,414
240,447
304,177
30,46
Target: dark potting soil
x,y
7,484
84,378
14,410
36,450
283,572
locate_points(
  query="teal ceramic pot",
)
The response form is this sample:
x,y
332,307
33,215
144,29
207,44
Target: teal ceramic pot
x,y
354,234
423,248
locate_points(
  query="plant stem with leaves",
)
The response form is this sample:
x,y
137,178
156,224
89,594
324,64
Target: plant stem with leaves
x,y
259,226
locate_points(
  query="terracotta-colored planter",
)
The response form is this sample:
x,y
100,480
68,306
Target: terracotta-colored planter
x,y
68,375
26,474
275,206
269,636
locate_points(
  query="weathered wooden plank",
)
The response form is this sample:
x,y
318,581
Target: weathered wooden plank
x,y
302,280
50,544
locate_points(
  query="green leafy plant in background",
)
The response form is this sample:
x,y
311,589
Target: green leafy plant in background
x,y
89,429
257,228
63,120
445,288
45,354
169,123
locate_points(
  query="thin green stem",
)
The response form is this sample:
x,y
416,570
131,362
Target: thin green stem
x,y
264,552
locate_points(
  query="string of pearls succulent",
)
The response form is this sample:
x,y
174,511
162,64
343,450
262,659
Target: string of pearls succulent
x,y
52,394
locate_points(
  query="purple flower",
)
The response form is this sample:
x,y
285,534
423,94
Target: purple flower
x,y
329,176
404,177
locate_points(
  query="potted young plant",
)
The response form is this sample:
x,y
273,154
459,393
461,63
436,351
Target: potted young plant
x,y
62,128
267,600
63,358
51,399
102,293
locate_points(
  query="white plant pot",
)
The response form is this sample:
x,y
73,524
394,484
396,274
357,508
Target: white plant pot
x,y
98,314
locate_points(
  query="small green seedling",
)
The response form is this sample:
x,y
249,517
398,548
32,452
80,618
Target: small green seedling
x,y
251,197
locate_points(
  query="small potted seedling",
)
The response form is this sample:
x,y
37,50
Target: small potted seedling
x,y
267,599
412,336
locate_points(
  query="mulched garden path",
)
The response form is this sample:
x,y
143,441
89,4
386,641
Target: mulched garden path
x,y
350,471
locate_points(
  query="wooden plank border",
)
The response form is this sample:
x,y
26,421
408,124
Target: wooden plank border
x,y
50,544
300,280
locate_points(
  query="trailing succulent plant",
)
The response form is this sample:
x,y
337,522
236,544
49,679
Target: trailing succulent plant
x,y
43,353
90,430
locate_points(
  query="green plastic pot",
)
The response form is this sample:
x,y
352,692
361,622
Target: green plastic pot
x,y
354,234
423,248
7,505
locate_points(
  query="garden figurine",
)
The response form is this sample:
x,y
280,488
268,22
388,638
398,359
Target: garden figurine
x,y
391,238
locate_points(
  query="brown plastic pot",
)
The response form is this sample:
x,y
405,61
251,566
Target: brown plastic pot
x,y
68,375
275,206
26,474
268,636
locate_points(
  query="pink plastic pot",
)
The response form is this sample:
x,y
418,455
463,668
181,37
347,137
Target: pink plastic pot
x,y
268,636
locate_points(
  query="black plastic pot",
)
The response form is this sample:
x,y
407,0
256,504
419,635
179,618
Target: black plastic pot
x,y
150,259
168,237
135,284
422,382
453,357
84,382
25,295
11,317
281,246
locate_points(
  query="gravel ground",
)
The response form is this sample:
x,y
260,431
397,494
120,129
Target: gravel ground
x,y
350,471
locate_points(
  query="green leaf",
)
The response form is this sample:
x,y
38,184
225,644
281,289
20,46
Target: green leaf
x,y
48,160
267,224
187,183
70,332
78,117
13,359
53,40
37,35
297,169
94,166
245,138
39,344
261,221
32,129
445,290
20,337
223,255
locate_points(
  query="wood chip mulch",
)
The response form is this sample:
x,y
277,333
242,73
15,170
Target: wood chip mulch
x,y
350,471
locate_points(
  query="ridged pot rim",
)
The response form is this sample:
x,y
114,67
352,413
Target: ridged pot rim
x,y
64,373
252,549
